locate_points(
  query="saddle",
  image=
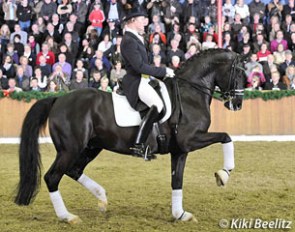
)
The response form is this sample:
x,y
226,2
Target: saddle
x,y
126,116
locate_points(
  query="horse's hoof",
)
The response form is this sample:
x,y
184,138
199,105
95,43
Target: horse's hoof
x,y
222,177
73,219
188,217
102,205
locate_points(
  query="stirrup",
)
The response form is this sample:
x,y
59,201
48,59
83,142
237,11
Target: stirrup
x,y
140,150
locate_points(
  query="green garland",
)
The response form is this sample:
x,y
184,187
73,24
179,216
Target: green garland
x,y
265,95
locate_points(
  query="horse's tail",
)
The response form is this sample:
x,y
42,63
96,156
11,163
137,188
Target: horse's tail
x,y
29,156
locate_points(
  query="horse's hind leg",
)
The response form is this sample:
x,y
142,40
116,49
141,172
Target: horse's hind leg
x,y
76,173
52,178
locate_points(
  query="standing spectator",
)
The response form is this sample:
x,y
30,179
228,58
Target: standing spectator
x,y
190,8
274,8
48,9
212,11
24,15
243,10
9,8
172,10
79,82
49,55
289,9
64,10
4,37
257,7
228,11
278,40
81,10
114,11
18,31
97,17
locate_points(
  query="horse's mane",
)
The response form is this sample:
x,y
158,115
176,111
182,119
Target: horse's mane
x,y
207,53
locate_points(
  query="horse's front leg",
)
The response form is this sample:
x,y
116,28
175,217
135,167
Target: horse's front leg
x,y
177,170
205,139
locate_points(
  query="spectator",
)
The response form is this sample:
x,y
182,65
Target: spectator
x,y
95,80
41,79
291,44
18,31
279,40
8,68
48,9
156,51
243,10
9,8
52,32
3,81
72,46
175,62
114,11
66,67
263,53
24,15
52,87
80,67
258,43
60,78
207,24
289,9
117,73
274,8
49,55
256,72
192,50
41,24
30,55
171,11
212,11
24,62
38,37
289,76
80,9
268,67
4,37
256,7
22,81
64,10
255,83
156,20
79,82
228,11
104,85
174,51
253,64
279,55
34,85
112,31
46,69
275,83
97,17
158,36
228,42
12,53
287,62
105,45
116,51
191,8
237,25
58,27
12,86
209,43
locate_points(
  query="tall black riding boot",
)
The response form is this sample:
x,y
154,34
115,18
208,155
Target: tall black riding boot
x,y
140,148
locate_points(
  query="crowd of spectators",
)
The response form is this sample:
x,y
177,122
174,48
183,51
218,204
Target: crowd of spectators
x,y
61,45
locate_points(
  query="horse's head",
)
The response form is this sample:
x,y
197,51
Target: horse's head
x,y
233,83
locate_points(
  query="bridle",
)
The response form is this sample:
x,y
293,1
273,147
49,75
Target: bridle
x,y
230,91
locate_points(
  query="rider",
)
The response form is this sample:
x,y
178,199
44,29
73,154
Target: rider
x,y
136,82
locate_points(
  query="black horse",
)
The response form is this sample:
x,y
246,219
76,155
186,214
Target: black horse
x,y
82,124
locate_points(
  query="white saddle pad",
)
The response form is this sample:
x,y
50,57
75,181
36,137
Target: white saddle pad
x,y
126,116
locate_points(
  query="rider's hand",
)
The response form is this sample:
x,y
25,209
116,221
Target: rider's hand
x,y
170,72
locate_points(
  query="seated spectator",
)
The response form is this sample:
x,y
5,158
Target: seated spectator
x,y
18,31
192,50
212,32
105,62
175,62
237,25
60,78
104,85
157,61
58,27
287,62
30,55
38,36
24,62
95,80
86,54
244,40
278,40
12,53
71,44
117,73
66,67
205,27
53,46
34,85
79,82
291,44
35,47
51,32
45,68
228,42
156,51
292,84
289,76
275,83
22,81
191,32
156,20
208,43
263,53
174,51
12,86
3,81
279,55
80,67
49,55
259,40
158,37
42,79
253,64
256,74
105,45
63,49
52,87
8,68
116,51
254,84
18,46
268,67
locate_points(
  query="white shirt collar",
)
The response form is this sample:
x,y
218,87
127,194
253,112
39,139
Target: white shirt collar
x,y
136,34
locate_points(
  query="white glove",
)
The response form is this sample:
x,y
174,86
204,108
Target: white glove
x,y
170,72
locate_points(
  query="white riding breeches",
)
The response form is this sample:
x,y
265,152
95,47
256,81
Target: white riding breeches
x,y
148,95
